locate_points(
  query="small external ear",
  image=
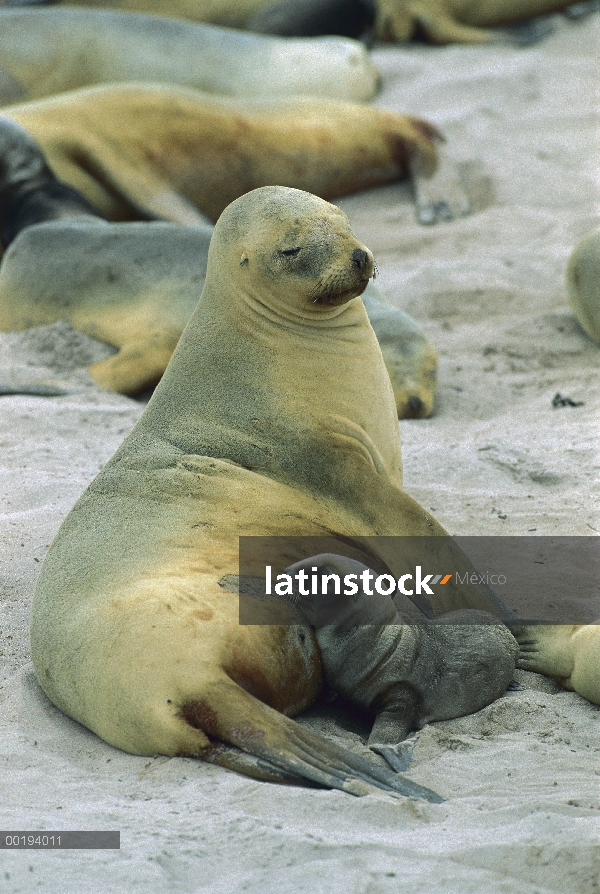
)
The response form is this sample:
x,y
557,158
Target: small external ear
x,y
243,260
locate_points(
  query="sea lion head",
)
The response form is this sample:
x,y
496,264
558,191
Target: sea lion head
x,y
20,157
290,251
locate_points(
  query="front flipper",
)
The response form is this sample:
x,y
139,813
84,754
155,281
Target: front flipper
x,y
139,365
396,716
545,649
399,755
400,20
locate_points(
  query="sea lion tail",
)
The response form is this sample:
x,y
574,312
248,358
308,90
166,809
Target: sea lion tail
x,y
273,747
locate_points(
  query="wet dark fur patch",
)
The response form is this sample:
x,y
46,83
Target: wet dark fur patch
x,y
312,18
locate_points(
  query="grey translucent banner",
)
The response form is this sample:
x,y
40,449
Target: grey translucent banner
x,y
62,840
292,580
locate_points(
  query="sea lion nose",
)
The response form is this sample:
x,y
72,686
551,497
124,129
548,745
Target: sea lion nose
x,y
359,257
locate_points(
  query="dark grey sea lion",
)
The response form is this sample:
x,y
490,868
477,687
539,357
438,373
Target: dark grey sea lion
x,y
406,672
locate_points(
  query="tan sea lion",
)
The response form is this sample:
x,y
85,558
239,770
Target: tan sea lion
x,y
405,672
137,152
135,285
48,51
259,426
439,21
457,21
583,283
569,652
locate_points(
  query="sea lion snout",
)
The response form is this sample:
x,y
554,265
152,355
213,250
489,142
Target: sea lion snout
x,y
341,281
291,249
360,258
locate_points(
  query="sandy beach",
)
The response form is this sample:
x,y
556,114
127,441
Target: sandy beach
x,y
521,778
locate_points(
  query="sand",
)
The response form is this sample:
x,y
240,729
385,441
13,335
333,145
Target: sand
x,y
520,778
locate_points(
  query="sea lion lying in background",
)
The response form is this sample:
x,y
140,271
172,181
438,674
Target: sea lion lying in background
x,y
571,652
439,21
138,152
135,285
259,426
49,51
457,21
583,283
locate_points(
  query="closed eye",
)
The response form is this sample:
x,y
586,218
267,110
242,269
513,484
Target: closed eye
x,y
290,252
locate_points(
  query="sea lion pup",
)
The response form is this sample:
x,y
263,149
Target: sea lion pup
x,y
404,672
48,51
569,652
309,18
172,152
259,426
583,284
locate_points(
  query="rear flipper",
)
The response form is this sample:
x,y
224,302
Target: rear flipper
x,y
232,715
568,652
232,758
399,755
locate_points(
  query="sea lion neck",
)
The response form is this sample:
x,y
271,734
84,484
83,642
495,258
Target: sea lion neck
x,y
241,386
258,307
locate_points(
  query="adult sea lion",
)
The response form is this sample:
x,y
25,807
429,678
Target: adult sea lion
x,y
583,283
439,21
405,672
48,51
569,652
142,151
457,21
259,426
135,285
